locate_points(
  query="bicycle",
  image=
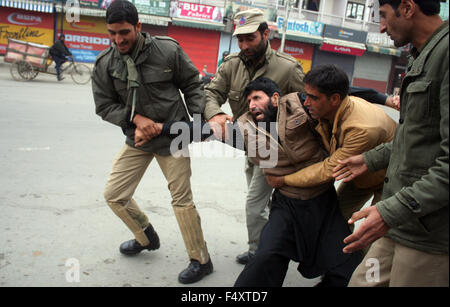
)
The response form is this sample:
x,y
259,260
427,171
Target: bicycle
x,y
80,73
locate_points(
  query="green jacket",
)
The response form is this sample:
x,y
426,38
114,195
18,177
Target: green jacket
x,y
234,75
416,191
163,70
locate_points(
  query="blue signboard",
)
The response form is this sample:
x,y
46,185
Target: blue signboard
x,y
301,27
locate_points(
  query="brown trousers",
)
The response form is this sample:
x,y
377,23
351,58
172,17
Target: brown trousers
x,y
128,168
388,263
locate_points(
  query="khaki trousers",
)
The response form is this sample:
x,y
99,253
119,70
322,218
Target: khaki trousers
x,y
389,263
128,168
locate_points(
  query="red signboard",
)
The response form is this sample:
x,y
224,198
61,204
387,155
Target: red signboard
x,y
17,17
302,52
342,49
198,11
296,49
24,25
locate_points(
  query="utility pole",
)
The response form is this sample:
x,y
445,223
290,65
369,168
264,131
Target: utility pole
x,y
229,20
55,21
287,8
62,17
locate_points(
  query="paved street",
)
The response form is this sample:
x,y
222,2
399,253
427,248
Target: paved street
x,y
55,156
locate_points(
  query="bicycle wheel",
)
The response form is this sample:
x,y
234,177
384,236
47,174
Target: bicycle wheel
x,y
80,73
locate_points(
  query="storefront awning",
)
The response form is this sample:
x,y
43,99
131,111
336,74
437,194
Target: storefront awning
x,y
340,42
198,24
304,38
29,5
342,46
384,50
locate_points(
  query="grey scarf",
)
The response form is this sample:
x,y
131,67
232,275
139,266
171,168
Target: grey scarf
x,y
126,71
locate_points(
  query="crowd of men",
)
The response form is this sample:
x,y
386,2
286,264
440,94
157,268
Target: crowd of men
x,y
300,132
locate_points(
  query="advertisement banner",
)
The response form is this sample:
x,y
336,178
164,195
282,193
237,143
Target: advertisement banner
x,y
24,25
196,11
304,27
86,38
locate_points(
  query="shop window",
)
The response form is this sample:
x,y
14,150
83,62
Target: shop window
x,y
355,11
310,5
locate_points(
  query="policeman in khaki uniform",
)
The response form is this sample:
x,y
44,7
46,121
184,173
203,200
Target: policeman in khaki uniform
x,y
136,82
256,59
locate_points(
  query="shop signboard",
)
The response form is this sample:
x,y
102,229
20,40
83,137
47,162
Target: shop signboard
x,y
302,52
342,49
86,38
30,26
152,7
196,11
304,27
345,34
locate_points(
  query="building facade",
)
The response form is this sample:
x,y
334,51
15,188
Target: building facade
x,y
342,32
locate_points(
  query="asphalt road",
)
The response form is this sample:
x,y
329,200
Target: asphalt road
x,y
55,227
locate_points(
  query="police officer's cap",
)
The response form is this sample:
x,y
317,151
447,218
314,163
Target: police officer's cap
x,y
248,21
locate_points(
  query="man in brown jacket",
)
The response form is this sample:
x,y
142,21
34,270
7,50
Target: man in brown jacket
x,y
348,126
305,224
256,59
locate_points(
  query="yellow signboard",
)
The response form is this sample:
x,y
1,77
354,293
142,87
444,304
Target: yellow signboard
x,y
88,24
306,64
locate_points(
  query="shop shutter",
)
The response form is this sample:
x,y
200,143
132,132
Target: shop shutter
x,y
202,46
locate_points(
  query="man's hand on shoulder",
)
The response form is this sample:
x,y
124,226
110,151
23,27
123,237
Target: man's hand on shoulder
x,y
350,168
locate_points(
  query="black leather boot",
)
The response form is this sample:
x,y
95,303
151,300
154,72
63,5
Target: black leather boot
x,y
132,247
195,272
